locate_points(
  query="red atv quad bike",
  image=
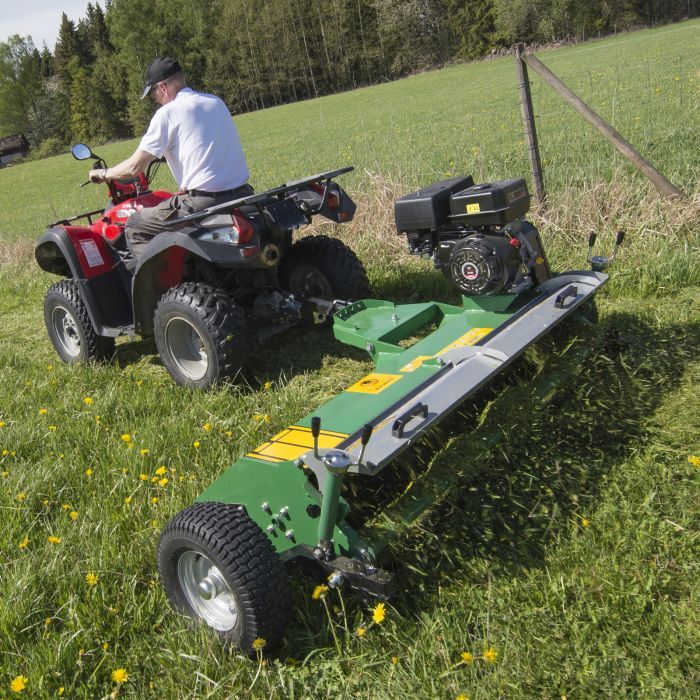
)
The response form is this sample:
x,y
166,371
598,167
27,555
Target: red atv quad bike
x,y
206,290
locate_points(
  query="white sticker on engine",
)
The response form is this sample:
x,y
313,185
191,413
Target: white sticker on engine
x,y
92,253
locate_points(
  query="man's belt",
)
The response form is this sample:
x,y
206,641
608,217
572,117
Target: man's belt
x,y
243,189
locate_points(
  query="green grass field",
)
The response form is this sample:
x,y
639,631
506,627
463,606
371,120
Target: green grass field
x,y
565,564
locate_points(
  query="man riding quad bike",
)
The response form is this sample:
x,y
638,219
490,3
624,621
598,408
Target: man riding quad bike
x,y
228,273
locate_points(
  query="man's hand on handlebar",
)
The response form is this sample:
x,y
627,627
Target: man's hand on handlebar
x,y
99,175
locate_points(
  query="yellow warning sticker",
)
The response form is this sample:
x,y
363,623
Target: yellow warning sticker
x,y
293,442
473,208
416,363
374,383
469,338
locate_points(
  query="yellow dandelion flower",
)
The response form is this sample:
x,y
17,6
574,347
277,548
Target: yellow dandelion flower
x,y
319,592
2,424
47,621
5,474
125,470
91,579
23,544
73,515
361,632
18,684
154,479
229,433
490,655
105,646
43,411
379,613
258,416
52,428
5,453
162,482
394,660
467,657
143,477
206,427
119,675
60,692
66,506
53,539
161,470
21,496
585,522
143,451
88,400
127,500
196,444
259,644
694,460
88,472
462,696
267,386
154,500
125,437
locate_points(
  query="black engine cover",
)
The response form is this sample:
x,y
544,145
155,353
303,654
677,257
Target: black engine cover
x,y
483,265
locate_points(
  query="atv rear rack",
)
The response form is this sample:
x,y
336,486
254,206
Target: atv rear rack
x,y
291,485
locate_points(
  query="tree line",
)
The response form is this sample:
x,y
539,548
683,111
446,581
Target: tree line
x,y
261,53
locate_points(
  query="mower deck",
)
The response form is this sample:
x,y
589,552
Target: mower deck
x,y
288,488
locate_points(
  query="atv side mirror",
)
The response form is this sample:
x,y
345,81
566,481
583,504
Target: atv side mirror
x,y
81,151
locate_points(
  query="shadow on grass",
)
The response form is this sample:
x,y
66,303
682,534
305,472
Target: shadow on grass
x,y
528,456
294,351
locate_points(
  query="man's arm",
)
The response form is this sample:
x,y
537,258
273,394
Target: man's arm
x,y
130,167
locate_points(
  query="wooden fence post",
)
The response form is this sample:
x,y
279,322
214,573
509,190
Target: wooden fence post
x,y
529,123
623,146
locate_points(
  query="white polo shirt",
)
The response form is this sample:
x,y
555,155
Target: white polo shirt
x,y
196,134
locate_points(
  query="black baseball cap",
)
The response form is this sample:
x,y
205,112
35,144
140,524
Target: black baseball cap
x,y
160,69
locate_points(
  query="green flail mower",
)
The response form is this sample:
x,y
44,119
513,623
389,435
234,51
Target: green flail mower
x,y
223,560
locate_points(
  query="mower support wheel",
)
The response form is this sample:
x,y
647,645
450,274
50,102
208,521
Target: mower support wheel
x,y
219,568
201,335
70,328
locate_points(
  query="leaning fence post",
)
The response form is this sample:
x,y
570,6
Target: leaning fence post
x,y
529,122
621,144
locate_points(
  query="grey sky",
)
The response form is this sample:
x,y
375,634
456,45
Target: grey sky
x,y
38,18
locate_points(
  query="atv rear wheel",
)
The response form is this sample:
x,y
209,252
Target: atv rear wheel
x,y
69,327
219,568
319,266
201,335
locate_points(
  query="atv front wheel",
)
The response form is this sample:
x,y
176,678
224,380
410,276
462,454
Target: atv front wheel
x,y
69,327
319,266
219,568
201,335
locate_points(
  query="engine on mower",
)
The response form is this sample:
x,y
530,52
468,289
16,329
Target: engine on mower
x,y
475,234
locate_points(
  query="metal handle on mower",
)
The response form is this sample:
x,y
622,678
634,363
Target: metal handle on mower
x,y
420,409
570,291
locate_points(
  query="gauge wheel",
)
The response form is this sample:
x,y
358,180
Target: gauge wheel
x,y
218,567
69,327
201,335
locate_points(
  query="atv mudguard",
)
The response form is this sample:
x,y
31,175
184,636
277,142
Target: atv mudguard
x,y
79,253
164,261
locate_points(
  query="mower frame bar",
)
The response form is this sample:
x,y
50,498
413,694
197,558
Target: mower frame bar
x,y
465,370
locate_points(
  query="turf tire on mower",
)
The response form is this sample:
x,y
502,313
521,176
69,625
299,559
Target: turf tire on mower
x,y
218,567
319,266
69,327
201,335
